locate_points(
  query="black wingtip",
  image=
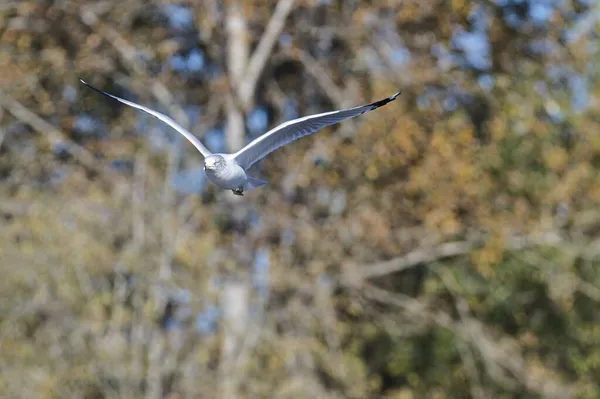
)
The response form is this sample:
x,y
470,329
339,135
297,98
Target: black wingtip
x,y
383,102
93,88
87,84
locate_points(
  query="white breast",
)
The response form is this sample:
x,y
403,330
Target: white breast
x,y
232,176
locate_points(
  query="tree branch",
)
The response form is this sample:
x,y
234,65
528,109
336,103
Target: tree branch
x,y
237,58
263,51
335,94
449,250
54,135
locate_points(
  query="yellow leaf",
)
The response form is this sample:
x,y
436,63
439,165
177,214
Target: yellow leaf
x,y
556,158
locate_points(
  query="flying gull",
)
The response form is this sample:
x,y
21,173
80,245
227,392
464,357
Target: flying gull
x,y
228,171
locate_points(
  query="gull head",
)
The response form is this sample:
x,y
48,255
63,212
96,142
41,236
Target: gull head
x,y
214,162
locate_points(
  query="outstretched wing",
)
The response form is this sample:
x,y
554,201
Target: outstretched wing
x,y
203,150
294,129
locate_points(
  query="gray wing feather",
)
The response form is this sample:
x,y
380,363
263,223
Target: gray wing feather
x,y
203,150
294,129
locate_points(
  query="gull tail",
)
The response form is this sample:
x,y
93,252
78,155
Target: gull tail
x,y
253,183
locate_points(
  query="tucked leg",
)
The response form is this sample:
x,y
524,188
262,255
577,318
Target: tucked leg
x,y
238,191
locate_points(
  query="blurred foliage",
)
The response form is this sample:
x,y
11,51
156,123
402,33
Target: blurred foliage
x,y
443,247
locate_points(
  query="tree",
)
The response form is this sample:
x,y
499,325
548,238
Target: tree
x,y
442,247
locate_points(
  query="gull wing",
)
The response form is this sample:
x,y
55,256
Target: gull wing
x,y
294,129
203,150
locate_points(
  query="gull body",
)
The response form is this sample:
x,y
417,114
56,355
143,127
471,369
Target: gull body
x,y
228,171
225,173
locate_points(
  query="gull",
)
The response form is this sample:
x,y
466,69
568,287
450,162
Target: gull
x,y
228,171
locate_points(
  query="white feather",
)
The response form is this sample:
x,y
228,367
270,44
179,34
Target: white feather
x,y
294,129
203,150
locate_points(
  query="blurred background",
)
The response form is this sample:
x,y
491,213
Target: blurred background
x,y
444,246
